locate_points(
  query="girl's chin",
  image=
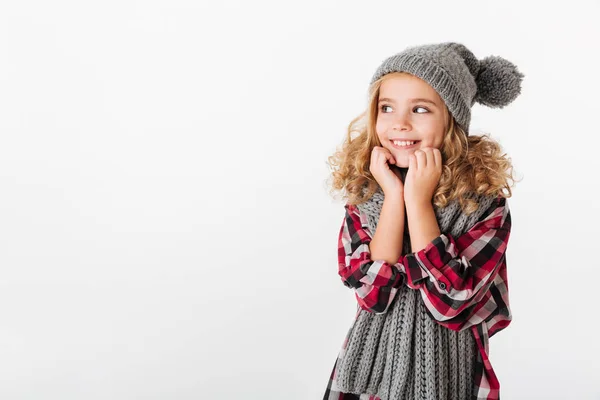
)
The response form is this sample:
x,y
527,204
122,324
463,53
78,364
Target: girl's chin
x,y
401,163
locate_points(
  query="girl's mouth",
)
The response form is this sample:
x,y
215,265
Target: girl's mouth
x,y
404,145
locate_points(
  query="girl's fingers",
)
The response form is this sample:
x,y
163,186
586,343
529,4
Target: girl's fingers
x,y
438,157
421,159
412,162
376,155
382,155
430,157
388,156
391,158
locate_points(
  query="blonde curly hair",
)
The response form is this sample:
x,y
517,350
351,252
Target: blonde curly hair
x,y
471,164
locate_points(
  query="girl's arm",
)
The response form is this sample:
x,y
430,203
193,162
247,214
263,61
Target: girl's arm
x,y
375,277
388,239
465,276
422,225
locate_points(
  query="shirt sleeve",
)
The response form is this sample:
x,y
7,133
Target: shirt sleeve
x,y
463,279
375,282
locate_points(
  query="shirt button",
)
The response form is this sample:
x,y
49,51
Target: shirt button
x,y
442,286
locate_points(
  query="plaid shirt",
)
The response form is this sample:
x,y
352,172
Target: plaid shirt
x,y
463,281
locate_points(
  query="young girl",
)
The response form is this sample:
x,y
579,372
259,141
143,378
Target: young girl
x,y
426,226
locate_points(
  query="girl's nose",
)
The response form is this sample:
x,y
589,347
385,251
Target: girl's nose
x,y
402,122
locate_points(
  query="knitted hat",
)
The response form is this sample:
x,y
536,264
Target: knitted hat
x,y
458,76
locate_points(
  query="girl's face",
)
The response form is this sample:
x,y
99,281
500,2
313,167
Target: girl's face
x,y
409,110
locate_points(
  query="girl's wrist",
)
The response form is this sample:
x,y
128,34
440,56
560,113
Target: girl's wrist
x,y
418,204
395,197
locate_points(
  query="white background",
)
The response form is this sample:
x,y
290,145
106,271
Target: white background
x,y
165,228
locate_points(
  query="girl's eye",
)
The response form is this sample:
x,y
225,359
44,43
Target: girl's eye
x,y
416,108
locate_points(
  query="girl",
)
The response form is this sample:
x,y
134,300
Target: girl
x,y
426,226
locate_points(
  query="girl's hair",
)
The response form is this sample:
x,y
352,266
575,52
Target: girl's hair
x,y
471,164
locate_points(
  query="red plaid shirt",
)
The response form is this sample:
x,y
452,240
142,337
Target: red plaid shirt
x,y
463,280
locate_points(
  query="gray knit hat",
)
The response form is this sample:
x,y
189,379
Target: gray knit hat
x,y
458,76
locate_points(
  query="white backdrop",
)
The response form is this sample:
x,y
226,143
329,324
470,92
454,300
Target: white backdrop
x,y
165,229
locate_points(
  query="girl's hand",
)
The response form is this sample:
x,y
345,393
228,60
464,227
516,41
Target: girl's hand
x,y
424,172
382,172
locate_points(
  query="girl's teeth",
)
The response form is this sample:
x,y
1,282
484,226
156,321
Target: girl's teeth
x,y
403,143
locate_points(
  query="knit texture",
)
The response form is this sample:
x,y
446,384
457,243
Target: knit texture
x,y
403,354
458,76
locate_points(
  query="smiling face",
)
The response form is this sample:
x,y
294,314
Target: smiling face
x,y
409,110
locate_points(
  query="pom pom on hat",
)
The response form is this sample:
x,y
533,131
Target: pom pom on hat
x,y
498,82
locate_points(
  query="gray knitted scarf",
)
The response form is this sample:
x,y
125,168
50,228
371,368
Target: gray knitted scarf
x,y
403,354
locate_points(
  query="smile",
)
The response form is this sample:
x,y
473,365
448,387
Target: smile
x,y
399,144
